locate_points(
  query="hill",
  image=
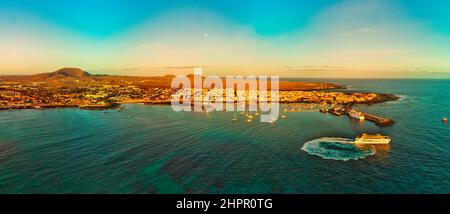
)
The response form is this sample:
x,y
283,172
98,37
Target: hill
x,y
65,73
77,77
70,72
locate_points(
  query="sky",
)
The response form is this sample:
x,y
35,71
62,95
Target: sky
x,y
297,38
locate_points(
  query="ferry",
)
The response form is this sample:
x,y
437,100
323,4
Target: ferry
x,y
356,114
372,139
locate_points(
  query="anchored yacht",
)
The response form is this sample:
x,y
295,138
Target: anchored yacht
x,y
356,114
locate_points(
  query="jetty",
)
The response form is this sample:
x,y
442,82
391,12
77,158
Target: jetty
x,y
380,121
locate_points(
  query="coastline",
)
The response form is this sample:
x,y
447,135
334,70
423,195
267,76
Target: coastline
x,y
381,98
75,88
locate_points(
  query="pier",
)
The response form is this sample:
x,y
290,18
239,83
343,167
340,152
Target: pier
x,y
378,120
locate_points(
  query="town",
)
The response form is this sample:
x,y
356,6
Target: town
x,y
16,96
70,87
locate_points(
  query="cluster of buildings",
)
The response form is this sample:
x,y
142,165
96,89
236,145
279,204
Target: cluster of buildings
x,y
37,96
13,96
227,95
223,95
326,97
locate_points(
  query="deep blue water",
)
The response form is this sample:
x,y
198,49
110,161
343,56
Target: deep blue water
x,y
152,149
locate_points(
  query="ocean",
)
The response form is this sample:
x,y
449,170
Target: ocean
x,y
152,149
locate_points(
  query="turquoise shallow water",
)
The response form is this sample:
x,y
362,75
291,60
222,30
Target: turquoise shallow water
x,y
151,149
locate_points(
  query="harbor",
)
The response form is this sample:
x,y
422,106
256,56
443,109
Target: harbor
x,y
337,111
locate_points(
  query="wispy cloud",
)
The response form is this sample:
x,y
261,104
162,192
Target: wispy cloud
x,y
358,38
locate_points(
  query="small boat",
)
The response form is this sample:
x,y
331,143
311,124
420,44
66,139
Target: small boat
x,y
283,116
444,119
234,118
372,139
356,114
336,111
324,110
98,106
249,120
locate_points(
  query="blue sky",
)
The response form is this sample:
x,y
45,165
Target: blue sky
x,y
264,22
267,17
106,17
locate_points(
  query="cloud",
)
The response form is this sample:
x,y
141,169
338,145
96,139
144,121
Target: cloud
x,y
33,45
353,38
177,38
371,35
362,38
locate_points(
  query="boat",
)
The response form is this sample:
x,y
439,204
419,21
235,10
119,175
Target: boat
x,y
323,110
372,139
444,119
99,106
356,114
336,111
234,118
283,116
